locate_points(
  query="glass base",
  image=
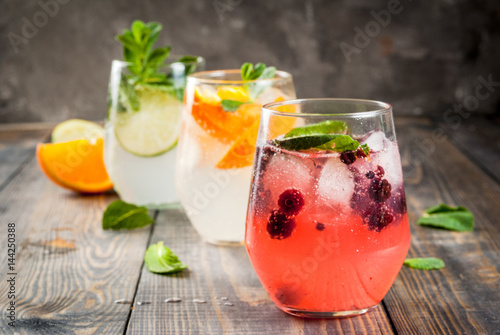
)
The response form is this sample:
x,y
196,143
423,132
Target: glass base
x,y
225,243
325,315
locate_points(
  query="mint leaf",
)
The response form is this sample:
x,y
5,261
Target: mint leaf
x,y
268,73
327,135
365,149
146,62
303,142
443,216
231,105
429,263
160,259
322,128
251,73
246,71
340,143
121,215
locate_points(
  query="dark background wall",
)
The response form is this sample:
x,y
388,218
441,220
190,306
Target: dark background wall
x,y
430,56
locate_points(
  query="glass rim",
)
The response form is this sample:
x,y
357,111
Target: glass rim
x,y
384,107
208,77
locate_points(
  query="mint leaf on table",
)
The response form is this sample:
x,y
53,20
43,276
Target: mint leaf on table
x,y
443,216
121,215
429,263
231,105
322,128
160,259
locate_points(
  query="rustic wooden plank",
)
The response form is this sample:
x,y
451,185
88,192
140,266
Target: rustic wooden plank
x,y
479,139
464,297
17,145
216,272
69,271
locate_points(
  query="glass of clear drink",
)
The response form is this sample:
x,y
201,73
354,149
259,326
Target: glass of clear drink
x,y
327,228
142,129
217,147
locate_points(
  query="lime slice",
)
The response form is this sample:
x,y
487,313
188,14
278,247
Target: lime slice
x,y
76,129
153,129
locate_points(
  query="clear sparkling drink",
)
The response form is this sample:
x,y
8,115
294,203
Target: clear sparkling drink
x,y
217,147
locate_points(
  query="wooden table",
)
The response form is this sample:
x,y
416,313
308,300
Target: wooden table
x,y
69,272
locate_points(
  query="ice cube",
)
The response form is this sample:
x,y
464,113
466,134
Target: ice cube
x,y
376,141
270,94
336,183
389,159
284,171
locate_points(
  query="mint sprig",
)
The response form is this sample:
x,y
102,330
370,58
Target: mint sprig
x,y
252,73
446,217
260,71
429,263
160,259
328,135
145,62
121,215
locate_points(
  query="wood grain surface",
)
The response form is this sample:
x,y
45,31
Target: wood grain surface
x,y
69,271
479,139
464,297
17,147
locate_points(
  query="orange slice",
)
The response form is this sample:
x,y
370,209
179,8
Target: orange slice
x,y
225,126
76,165
242,151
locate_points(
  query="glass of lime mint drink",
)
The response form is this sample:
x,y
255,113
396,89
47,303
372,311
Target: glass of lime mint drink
x,y
145,104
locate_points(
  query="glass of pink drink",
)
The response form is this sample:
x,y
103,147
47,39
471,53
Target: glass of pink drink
x,y
327,229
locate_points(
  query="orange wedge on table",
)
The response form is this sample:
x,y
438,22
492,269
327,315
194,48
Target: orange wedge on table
x,y
77,165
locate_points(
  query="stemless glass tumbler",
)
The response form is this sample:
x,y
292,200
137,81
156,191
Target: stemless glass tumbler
x,y
327,230
142,129
217,146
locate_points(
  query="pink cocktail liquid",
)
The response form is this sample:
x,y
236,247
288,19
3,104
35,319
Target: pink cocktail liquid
x,y
326,234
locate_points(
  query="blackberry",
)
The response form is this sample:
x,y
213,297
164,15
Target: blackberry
x,y
348,157
360,153
280,226
320,226
378,216
379,171
291,202
380,189
398,201
370,174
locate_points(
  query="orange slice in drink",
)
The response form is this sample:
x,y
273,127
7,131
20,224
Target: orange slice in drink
x,y
225,126
76,165
242,151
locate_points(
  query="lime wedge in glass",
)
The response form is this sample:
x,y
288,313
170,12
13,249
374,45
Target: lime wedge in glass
x,y
76,129
152,130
